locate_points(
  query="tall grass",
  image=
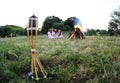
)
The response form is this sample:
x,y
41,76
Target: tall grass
x,y
95,59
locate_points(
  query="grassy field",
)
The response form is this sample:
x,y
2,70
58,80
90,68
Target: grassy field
x,y
95,59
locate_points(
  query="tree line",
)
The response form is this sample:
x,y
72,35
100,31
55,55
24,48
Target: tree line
x,y
11,31
67,26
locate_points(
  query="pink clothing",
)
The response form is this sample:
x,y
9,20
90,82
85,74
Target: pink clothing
x,y
49,34
53,34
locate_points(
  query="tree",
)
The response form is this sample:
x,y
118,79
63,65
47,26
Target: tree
x,y
103,32
114,24
91,32
10,30
5,31
69,24
52,22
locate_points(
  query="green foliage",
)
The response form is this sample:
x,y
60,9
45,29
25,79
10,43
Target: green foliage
x,y
10,31
52,22
57,23
5,31
69,23
12,59
92,32
114,24
93,60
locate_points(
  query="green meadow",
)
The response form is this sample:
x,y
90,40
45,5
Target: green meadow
x,y
95,59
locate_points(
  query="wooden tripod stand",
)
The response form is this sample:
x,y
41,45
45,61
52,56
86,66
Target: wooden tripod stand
x,y
36,65
76,33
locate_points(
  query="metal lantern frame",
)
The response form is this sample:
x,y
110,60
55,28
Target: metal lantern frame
x,y
32,32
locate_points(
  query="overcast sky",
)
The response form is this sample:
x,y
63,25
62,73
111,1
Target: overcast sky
x,y
92,13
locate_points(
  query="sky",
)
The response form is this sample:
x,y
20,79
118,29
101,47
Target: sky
x,y
94,14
